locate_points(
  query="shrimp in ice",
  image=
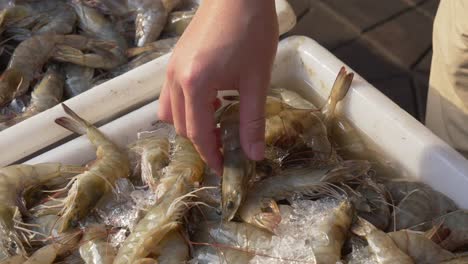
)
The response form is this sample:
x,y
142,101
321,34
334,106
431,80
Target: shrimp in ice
x,y
238,169
260,209
95,249
13,181
31,54
45,95
381,245
89,187
183,174
154,152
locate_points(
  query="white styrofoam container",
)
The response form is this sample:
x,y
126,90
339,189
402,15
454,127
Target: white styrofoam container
x,y
411,146
102,103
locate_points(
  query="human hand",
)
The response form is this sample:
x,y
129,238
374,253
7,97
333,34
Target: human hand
x,y
229,45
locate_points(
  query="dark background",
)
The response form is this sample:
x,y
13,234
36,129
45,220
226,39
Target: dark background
x,y
388,42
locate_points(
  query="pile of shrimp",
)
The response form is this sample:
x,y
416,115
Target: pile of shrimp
x,y
321,195
53,50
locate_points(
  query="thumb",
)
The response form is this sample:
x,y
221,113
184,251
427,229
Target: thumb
x,y
252,117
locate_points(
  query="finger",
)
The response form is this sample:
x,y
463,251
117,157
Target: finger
x,y
201,128
164,110
178,109
252,117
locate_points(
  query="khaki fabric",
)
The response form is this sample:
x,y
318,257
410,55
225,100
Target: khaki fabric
x,y
447,104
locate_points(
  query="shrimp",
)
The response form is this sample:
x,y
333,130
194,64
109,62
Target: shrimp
x,y
184,172
47,94
18,259
416,203
234,242
151,17
154,153
331,234
450,231
97,26
238,169
59,247
95,249
260,209
46,17
163,46
33,53
14,180
89,187
78,79
371,203
173,249
292,98
381,245
146,261
178,22
420,248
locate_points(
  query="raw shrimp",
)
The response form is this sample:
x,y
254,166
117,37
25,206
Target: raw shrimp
x,y
450,231
381,244
78,79
33,53
371,203
59,247
233,242
330,234
349,143
238,168
260,208
95,25
420,248
416,203
13,181
292,98
173,249
47,94
178,22
45,17
89,187
163,46
151,17
18,259
146,261
95,249
154,152
185,166
184,172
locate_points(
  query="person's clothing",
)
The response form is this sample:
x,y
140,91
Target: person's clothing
x,y
447,103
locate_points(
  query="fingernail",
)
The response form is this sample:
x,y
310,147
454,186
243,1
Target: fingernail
x,y
257,151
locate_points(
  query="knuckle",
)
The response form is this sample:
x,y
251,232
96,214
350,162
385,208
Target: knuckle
x,y
192,78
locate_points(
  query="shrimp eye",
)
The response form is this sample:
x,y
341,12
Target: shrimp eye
x,y
73,223
230,205
219,212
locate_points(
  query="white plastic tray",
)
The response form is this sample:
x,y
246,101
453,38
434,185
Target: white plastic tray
x,y
101,104
413,148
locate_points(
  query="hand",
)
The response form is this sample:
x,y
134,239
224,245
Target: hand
x,y
229,45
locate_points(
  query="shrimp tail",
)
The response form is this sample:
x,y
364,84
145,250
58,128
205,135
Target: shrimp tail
x,y
272,219
338,92
362,227
76,124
